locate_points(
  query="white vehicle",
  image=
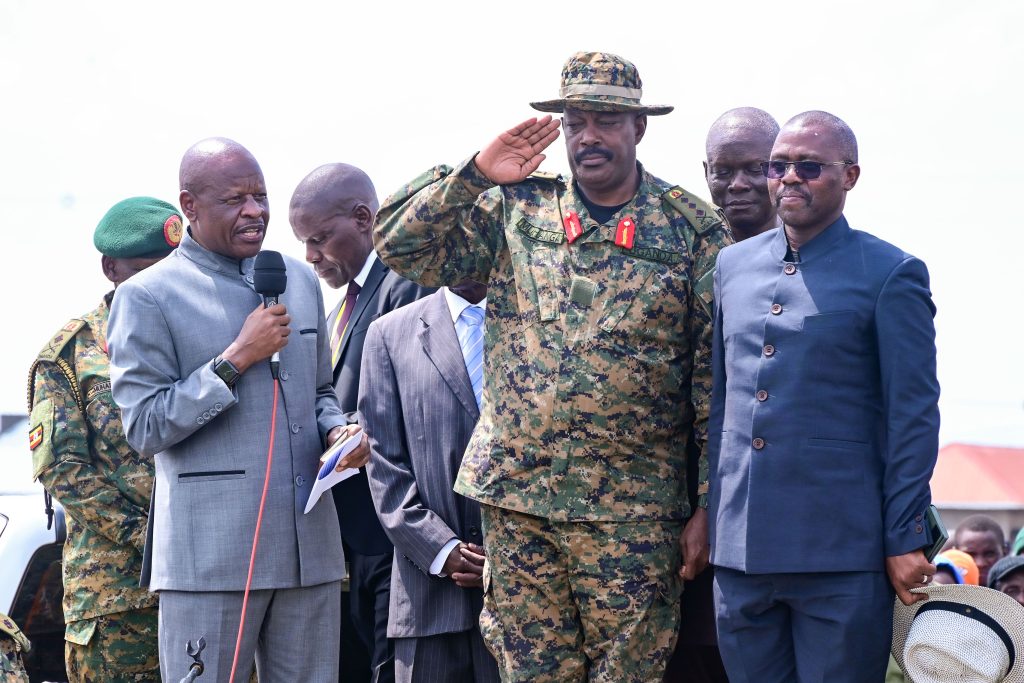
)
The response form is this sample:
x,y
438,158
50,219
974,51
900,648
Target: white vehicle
x,y
31,587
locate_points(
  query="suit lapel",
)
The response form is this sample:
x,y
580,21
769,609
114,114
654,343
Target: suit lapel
x,y
368,292
441,345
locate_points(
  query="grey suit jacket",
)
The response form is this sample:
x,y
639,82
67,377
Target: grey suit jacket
x,y
416,404
167,325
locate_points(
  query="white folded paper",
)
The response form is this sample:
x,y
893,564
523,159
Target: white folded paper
x,y
327,477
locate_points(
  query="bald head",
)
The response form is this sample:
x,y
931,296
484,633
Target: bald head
x,y
224,197
204,158
753,125
332,212
334,186
842,138
738,141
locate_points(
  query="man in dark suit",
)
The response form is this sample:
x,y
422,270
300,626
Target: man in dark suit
x,y
332,212
824,427
422,381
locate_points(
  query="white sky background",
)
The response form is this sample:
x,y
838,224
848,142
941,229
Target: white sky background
x,y
99,100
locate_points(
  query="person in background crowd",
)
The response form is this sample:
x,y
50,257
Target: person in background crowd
x,y
1018,544
332,212
1007,576
81,456
982,538
739,141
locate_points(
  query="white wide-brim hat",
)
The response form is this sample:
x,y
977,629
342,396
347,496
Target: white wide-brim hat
x,y
961,633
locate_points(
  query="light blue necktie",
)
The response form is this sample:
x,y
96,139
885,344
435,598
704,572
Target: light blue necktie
x,y
471,339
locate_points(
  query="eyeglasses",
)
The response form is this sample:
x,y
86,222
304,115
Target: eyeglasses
x,y
805,170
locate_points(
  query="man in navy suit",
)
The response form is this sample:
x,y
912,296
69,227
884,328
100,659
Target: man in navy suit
x,y
332,213
824,427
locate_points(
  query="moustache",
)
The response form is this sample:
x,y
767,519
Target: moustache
x,y
592,152
801,195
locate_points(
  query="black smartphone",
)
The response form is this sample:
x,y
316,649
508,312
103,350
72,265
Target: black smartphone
x,y
938,532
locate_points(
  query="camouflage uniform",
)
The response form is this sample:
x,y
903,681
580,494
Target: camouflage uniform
x,y
80,455
12,644
598,365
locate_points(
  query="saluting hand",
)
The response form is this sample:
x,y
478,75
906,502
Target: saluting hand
x,y
516,153
910,570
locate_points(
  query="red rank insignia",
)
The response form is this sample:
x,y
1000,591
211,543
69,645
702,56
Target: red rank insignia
x,y
35,437
573,228
625,232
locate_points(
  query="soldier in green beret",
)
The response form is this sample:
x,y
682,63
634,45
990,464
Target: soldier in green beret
x,y
598,371
80,455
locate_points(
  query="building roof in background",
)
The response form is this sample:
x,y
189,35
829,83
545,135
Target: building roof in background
x,y
981,477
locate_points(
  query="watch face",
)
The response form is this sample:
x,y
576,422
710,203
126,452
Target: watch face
x,y
226,370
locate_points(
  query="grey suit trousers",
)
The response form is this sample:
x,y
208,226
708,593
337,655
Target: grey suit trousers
x,y
450,657
293,633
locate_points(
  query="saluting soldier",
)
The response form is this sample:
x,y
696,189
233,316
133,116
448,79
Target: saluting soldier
x,y
598,357
80,455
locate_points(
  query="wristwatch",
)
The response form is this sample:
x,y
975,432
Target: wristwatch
x,y
227,371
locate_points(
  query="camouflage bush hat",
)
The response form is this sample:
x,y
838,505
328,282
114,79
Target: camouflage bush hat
x,y
140,227
600,81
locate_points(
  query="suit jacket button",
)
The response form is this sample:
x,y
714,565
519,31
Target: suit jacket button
x,y
300,480
248,278
918,528
206,414
200,421
284,374
474,531
295,427
776,309
789,269
758,443
918,518
762,395
217,406
769,350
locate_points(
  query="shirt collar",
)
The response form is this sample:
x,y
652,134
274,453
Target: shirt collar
x,y
360,279
456,304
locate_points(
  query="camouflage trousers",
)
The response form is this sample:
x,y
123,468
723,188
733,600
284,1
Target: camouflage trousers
x,y
580,601
113,648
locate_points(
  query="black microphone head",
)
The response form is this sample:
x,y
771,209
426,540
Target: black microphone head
x,y
269,277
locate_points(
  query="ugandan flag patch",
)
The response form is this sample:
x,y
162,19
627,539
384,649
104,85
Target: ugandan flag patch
x,y
35,437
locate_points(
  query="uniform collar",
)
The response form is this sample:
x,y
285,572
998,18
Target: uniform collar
x,y
642,203
819,244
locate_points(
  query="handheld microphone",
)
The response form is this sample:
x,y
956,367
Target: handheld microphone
x,y
269,279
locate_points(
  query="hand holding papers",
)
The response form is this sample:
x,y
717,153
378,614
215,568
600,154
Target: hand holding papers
x,y
328,476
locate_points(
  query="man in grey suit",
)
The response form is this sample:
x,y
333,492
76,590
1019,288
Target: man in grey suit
x,y
188,346
422,380
332,213
824,427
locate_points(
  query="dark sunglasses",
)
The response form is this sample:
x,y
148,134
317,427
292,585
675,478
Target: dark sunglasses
x,y
805,170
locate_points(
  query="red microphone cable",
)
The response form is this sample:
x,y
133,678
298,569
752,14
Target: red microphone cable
x,y
256,535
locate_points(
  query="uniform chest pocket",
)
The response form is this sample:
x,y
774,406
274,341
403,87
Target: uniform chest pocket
x,y
538,273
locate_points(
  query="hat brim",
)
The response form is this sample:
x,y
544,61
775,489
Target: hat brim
x,y
558,106
1001,607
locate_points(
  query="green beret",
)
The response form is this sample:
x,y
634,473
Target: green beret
x,y
140,227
